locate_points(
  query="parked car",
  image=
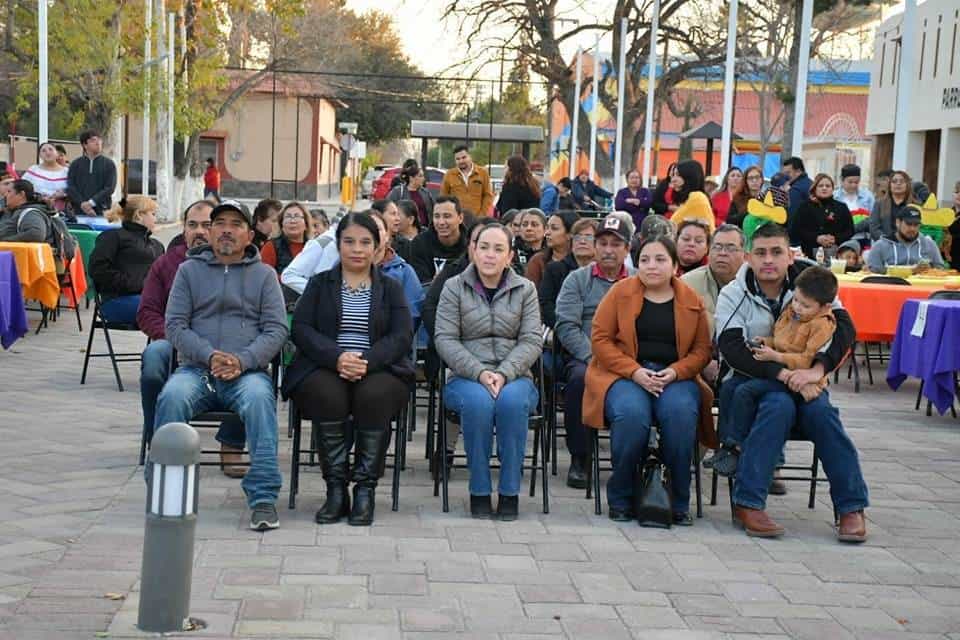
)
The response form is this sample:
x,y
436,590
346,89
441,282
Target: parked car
x,y
381,186
374,172
496,176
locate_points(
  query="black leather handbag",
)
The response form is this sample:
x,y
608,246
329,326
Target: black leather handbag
x,y
652,494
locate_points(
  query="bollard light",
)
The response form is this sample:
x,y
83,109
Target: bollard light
x,y
170,528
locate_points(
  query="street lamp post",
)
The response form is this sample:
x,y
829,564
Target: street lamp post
x,y
43,99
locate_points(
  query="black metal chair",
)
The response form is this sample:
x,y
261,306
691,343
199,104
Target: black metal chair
x,y
538,457
65,280
98,322
398,455
594,479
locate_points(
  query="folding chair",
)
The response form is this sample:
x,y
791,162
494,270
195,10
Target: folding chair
x,y
99,322
538,457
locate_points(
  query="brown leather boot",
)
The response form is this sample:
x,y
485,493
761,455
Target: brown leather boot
x,y
852,527
757,523
229,457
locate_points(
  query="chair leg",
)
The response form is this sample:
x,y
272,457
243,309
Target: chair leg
x,y
919,395
399,437
86,355
730,491
143,447
696,471
536,459
113,358
713,489
296,424
431,415
855,368
597,507
866,347
545,489
814,471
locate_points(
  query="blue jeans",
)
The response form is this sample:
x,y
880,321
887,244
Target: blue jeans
x,y
121,310
630,410
739,398
154,371
479,412
251,397
779,416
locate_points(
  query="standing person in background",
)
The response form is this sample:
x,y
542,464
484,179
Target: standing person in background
x,y
549,198
266,220
663,195
91,178
634,198
890,205
62,156
121,259
731,187
211,179
797,186
49,177
822,221
850,192
520,189
557,245
469,182
411,187
588,193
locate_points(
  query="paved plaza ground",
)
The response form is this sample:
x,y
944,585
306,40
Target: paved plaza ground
x,y
73,496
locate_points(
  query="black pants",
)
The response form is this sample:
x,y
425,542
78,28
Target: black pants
x,y
373,401
574,371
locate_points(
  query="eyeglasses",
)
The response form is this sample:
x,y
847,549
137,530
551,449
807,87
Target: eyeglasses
x,y
293,216
583,237
726,248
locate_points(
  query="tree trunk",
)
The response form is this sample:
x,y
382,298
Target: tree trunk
x,y
790,97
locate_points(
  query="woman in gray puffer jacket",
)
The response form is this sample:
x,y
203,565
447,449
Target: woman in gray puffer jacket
x,y
488,333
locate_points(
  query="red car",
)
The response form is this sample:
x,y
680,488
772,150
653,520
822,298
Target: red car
x,y
381,186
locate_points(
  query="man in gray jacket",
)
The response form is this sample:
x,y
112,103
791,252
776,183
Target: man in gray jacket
x,y
907,246
226,319
580,295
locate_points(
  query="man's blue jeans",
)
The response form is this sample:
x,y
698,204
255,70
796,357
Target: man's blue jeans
x,y
250,396
154,371
779,416
479,412
630,410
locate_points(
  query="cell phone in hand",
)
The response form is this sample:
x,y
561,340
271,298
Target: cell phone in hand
x,y
755,343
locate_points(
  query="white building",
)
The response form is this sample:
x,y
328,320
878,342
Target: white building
x,y
933,144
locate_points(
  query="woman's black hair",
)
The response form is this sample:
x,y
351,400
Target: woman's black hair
x,y
692,173
667,243
409,209
409,171
26,188
568,218
360,219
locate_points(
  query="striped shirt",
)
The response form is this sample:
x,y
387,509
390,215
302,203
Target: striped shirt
x,y
46,182
354,320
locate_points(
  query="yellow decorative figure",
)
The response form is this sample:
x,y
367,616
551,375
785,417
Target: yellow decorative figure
x,y
760,213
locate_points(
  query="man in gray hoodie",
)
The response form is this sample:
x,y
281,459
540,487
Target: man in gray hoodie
x,y
906,246
226,319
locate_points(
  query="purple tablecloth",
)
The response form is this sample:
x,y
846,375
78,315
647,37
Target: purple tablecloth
x,y
13,315
932,357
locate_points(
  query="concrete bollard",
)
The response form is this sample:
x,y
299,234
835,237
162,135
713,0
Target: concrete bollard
x,y
171,523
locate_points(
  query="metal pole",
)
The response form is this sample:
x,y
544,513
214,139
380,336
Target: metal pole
x,y
621,101
186,74
728,88
171,69
651,89
490,136
296,156
576,115
43,99
273,133
800,108
595,115
147,54
901,126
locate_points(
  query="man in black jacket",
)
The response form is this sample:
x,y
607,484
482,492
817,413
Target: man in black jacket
x,y
747,309
92,177
443,242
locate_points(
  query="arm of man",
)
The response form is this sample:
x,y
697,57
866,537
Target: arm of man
x,y
420,259
529,345
569,329
153,304
731,323
445,186
309,262
273,325
191,346
877,259
105,193
600,191
32,227
931,251
447,338
396,343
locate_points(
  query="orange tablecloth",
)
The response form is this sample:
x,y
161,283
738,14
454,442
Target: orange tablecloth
x,y
37,269
875,308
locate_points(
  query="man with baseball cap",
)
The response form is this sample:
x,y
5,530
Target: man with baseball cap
x,y
580,295
226,319
905,246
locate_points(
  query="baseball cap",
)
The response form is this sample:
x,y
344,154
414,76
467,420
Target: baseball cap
x,y
616,226
910,214
232,205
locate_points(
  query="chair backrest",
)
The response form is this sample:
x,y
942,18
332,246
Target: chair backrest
x,y
885,280
945,294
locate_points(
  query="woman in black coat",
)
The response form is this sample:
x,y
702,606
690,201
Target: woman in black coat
x,y
520,189
353,332
822,221
121,259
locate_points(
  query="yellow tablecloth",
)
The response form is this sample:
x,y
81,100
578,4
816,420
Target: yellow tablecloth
x,y
920,281
37,269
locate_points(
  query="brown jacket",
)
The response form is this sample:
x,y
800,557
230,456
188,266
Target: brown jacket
x,y
798,342
614,342
476,195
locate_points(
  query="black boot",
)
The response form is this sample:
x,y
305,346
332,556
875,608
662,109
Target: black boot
x,y
332,442
368,467
577,475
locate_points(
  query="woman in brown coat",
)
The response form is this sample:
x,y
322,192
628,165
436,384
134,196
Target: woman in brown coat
x,y
638,376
